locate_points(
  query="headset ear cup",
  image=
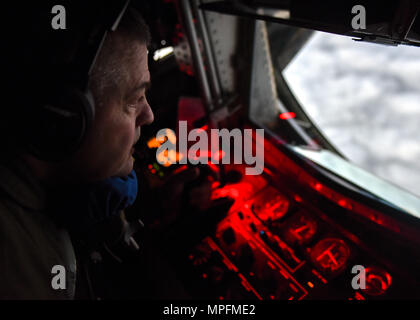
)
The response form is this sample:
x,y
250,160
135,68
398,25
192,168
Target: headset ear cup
x,y
58,127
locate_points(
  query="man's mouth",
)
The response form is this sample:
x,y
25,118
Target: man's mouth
x,y
136,140
133,149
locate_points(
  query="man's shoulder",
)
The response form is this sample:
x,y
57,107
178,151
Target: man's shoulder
x,y
30,246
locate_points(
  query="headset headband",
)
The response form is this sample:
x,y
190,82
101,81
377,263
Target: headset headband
x,y
61,106
93,42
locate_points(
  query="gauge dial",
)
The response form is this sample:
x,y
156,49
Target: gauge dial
x,y
330,255
270,205
301,230
377,281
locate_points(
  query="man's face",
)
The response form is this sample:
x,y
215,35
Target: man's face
x,y
108,148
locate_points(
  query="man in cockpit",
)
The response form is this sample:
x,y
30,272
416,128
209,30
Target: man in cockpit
x,y
34,192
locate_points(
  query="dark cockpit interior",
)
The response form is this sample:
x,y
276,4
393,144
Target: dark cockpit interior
x,y
301,228
293,218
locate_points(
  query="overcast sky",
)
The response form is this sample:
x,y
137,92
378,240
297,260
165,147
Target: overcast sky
x,y
366,99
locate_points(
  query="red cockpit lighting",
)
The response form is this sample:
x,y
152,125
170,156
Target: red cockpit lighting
x,y
287,115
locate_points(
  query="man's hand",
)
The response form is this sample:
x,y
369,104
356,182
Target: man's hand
x,y
190,184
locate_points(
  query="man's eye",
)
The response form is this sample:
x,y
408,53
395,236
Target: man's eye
x,y
138,101
136,104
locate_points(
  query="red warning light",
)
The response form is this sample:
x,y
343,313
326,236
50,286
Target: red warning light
x,y
318,186
345,204
287,115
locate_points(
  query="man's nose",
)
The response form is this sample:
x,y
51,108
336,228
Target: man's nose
x,y
146,116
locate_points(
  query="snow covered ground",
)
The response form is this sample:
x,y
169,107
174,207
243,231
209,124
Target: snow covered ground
x,y
366,99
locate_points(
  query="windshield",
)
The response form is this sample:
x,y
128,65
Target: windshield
x,y
363,98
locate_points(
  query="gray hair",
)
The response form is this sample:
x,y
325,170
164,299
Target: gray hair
x,y
111,67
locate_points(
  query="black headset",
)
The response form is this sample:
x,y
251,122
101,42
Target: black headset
x,y
64,112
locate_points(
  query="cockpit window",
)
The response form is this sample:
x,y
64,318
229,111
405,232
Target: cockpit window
x,y
366,100
359,100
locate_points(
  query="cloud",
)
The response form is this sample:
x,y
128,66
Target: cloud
x,y
366,99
